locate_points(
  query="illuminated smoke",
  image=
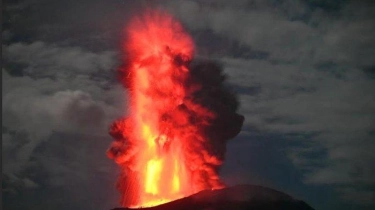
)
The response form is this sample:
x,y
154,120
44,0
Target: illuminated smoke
x,y
173,142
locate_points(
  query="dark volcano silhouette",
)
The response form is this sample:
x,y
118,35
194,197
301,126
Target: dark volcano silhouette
x,y
239,197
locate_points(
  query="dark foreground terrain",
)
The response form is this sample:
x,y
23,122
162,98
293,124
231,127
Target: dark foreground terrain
x,y
234,198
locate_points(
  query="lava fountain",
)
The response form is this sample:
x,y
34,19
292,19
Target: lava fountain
x,y
172,143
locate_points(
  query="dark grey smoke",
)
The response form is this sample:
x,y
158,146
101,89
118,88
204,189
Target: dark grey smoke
x,y
217,97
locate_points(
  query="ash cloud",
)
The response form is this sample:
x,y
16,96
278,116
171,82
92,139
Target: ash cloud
x,y
211,111
217,97
192,107
212,94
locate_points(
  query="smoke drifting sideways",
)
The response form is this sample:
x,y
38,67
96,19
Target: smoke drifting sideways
x,y
173,142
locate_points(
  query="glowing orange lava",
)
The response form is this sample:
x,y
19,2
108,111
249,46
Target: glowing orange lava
x,y
160,144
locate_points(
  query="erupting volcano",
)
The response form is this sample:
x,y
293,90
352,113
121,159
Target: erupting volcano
x,y
172,142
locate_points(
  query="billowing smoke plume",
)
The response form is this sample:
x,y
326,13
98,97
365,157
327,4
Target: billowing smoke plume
x,y
173,142
220,100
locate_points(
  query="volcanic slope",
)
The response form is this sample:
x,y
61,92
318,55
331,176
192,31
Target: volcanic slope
x,y
239,197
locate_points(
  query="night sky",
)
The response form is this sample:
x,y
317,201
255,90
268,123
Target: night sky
x,y
304,72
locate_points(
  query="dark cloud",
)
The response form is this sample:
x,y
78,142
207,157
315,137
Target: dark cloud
x,y
49,89
97,24
60,165
39,59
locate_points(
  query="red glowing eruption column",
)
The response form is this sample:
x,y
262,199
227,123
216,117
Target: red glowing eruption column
x,y
161,146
